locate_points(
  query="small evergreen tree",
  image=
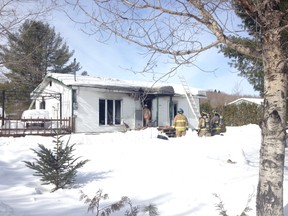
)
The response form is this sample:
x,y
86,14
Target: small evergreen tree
x,y
57,166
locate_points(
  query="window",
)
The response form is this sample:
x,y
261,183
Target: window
x,y
109,112
175,109
102,112
74,99
74,96
42,103
117,112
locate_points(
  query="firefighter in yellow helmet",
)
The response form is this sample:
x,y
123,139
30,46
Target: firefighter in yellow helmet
x,y
180,123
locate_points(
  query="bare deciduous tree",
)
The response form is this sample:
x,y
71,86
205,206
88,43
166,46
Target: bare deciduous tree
x,y
182,29
237,89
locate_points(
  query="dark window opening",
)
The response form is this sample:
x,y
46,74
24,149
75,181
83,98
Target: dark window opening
x,y
175,109
42,104
109,112
74,99
117,112
74,96
102,115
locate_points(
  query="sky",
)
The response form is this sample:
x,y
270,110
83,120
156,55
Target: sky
x,y
179,175
115,59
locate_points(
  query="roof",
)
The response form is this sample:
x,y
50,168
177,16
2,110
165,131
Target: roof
x,y
104,82
258,101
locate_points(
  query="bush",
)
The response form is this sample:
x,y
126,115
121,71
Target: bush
x,y
237,115
223,212
243,114
95,207
57,166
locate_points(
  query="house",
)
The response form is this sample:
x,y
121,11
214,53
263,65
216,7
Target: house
x,y
257,101
100,104
2,113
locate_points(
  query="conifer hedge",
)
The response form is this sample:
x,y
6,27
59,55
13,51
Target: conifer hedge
x,y
237,115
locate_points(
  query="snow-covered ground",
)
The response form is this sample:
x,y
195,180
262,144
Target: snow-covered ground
x,y
179,175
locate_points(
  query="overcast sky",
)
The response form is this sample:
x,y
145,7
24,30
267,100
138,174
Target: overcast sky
x,y
115,57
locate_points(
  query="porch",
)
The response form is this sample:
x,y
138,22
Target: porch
x,y
42,127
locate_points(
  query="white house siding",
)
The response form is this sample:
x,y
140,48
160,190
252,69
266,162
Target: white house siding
x,y
53,105
182,102
88,92
87,114
129,105
163,110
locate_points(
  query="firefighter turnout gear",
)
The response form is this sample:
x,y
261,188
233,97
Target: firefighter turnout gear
x,y
204,125
180,123
216,123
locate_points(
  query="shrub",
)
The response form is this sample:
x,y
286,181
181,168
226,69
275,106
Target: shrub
x,y
95,207
237,115
57,166
223,211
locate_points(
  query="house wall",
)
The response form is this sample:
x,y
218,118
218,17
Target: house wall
x,y
160,109
182,102
164,113
87,114
52,104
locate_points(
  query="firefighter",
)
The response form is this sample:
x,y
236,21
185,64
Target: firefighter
x,y
216,124
146,115
180,123
204,125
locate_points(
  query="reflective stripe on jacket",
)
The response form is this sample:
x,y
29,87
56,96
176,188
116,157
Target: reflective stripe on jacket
x,y
180,122
204,123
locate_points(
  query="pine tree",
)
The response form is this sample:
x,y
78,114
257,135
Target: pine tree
x,y
250,67
57,166
33,51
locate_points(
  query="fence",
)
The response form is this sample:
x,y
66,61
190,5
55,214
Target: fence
x,y
44,127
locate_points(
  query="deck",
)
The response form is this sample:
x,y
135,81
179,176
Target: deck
x,y
43,127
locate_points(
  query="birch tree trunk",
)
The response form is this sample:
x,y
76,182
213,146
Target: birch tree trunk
x,y
272,154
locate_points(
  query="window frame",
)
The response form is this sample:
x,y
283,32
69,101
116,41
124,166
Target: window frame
x,y
110,112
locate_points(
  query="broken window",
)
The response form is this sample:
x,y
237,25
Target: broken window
x,y
109,112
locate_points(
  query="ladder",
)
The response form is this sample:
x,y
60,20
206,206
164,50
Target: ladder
x,y
190,99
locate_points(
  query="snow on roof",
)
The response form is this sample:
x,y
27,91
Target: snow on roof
x,y
258,101
79,80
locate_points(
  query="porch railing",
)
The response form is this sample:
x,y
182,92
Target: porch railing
x,y
22,127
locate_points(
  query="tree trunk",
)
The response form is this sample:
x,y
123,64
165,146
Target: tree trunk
x,y
272,153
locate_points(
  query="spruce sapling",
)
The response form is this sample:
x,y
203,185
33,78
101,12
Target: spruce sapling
x,y
57,166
